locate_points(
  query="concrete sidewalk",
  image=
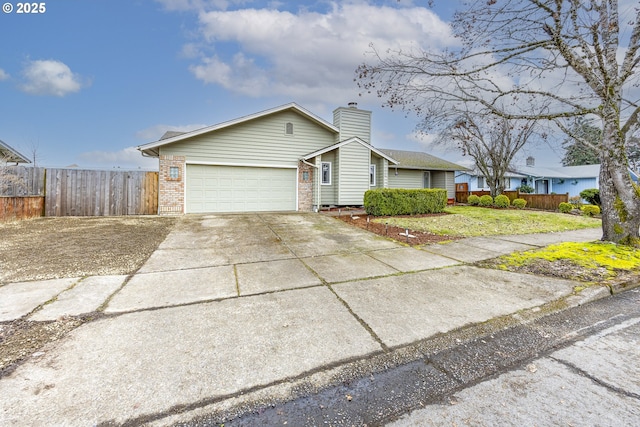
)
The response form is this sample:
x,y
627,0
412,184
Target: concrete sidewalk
x,y
232,310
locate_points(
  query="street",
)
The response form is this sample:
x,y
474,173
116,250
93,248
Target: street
x,y
575,367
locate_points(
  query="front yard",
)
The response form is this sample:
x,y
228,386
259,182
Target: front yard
x,y
469,221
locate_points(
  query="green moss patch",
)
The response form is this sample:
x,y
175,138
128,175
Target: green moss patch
x,y
588,262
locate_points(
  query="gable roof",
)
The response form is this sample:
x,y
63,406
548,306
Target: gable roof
x,y
11,155
420,160
151,149
349,141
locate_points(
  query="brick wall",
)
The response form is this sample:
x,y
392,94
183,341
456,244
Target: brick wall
x,y
305,187
171,185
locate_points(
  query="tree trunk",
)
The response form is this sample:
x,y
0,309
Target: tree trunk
x,y
619,196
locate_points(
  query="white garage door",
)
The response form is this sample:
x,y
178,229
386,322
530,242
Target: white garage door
x,y
240,189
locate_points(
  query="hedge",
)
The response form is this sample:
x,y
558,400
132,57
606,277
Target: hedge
x,y
402,201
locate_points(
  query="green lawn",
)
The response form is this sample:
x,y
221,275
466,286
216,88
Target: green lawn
x,y
469,221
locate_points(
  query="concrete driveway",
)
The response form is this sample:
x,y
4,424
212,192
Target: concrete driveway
x,y
233,310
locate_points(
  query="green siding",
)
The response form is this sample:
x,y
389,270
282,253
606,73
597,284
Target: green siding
x,y
353,122
329,192
353,173
406,178
446,180
257,142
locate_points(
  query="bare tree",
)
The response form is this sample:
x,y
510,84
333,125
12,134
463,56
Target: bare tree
x,y
533,59
491,144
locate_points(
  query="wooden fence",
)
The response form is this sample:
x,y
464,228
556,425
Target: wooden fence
x,y
77,192
548,202
18,208
21,181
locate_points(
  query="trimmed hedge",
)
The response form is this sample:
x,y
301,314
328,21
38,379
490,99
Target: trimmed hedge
x,y
519,203
486,200
501,201
402,201
473,200
590,210
565,207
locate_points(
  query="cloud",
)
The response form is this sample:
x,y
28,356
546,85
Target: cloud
x,y
129,157
3,75
154,133
305,55
50,77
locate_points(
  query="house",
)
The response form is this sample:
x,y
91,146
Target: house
x,y
10,155
476,181
558,180
285,159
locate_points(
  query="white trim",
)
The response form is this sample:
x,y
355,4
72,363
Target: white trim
x,y
372,174
247,165
297,187
349,141
322,173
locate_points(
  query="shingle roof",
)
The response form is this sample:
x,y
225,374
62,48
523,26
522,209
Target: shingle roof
x,y
420,160
9,154
586,171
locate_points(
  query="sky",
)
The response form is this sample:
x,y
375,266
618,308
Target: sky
x,y
84,82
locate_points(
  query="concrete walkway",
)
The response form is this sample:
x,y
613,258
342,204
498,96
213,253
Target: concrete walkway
x,y
235,309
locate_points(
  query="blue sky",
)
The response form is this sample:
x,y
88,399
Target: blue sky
x,y
87,81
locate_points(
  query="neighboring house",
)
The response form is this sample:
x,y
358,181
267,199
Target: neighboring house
x,y
284,159
10,155
558,180
477,182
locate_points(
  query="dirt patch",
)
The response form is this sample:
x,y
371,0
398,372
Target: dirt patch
x,y
51,248
564,269
393,232
48,248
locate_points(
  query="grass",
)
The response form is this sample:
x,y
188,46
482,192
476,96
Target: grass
x,y
469,221
590,255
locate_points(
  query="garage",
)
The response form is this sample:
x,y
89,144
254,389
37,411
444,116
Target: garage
x,y
240,189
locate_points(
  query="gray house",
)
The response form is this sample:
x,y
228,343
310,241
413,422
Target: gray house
x,y
285,159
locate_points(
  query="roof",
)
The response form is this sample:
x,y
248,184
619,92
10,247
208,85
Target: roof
x,y
170,137
508,174
420,160
586,171
11,155
349,141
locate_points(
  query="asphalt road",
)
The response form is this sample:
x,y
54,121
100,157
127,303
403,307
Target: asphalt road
x,y
576,367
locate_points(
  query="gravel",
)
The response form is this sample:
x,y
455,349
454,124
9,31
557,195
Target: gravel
x,y
51,248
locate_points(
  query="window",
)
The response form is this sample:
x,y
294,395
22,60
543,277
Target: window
x,y
288,128
372,175
174,172
427,180
305,176
507,183
481,182
326,173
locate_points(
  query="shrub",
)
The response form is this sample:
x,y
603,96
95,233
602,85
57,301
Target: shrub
x,y
401,201
565,207
473,200
519,203
524,188
576,201
591,195
501,201
486,200
590,210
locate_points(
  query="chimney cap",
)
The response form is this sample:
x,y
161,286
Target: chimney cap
x,y
352,105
